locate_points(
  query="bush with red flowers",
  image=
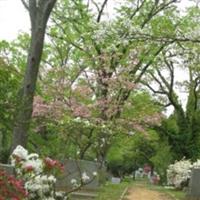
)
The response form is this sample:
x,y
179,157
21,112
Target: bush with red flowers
x,y
53,166
11,188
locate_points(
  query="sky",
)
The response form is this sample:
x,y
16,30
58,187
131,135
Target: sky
x,y
14,18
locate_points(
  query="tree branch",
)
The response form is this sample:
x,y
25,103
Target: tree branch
x,y
25,4
101,10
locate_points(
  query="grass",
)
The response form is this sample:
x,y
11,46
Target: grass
x,y
112,191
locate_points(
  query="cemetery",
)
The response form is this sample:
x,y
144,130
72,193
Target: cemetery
x,y
79,179
100,100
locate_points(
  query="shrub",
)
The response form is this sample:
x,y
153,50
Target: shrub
x,y
11,188
39,175
179,173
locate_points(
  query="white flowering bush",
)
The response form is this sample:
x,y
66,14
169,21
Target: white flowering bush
x,y
38,174
179,173
196,164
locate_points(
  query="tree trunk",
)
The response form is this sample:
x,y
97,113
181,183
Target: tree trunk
x,y
39,14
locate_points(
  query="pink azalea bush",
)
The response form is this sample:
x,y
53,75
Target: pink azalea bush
x,y
11,188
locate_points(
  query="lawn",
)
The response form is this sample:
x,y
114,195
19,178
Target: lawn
x,y
112,191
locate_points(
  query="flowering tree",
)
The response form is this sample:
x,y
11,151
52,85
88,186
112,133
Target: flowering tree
x,y
98,63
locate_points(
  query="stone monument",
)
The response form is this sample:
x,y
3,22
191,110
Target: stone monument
x,y
194,185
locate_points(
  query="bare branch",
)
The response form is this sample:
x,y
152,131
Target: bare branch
x,y
149,63
137,9
155,11
139,36
101,10
170,66
96,5
25,4
152,89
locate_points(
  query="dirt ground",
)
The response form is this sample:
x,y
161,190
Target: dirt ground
x,y
145,194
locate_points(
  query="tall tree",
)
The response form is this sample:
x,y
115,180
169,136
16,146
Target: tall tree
x,y
184,136
109,56
182,128
39,12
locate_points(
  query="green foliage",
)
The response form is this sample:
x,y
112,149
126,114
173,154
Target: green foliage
x,y
111,191
142,104
162,159
12,64
128,153
9,82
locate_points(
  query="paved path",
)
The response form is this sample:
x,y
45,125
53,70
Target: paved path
x,y
139,193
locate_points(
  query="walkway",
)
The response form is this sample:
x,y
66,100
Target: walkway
x,y
140,193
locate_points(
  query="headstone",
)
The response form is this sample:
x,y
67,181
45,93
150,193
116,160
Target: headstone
x,y
115,180
74,169
139,173
194,191
8,168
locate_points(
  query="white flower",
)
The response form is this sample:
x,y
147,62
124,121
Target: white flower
x,y
33,156
131,133
86,122
39,185
61,195
20,152
178,173
196,164
77,119
36,165
103,140
52,179
94,173
85,177
73,181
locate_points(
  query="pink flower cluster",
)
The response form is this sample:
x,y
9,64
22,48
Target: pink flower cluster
x,y
53,164
11,188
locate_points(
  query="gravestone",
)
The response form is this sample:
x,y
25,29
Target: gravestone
x,y
139,173
74,169
115,180
7,168
194,186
